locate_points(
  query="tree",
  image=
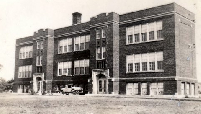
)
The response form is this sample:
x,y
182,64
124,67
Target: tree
x,y
3,84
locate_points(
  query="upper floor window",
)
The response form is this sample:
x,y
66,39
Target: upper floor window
x,y
65,68
103,33
81,67
25,71
98,33
144,62
39,60
81,43
26,52
144,32
39,44
100,53
65,45
159,29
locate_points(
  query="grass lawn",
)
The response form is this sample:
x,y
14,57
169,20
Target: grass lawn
x,y
35,104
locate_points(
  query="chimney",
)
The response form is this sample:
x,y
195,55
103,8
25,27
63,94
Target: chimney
x,y
76,18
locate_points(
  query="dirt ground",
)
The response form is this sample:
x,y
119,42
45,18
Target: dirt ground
x,y
62,104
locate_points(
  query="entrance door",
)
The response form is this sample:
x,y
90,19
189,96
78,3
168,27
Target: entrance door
x,y
129,89
101,86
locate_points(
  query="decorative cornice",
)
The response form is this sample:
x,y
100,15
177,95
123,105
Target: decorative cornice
x,y
24,43
147,17
72,33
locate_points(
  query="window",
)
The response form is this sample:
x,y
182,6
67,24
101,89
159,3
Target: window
x,y
129,35
151,61
39,60
160,61
137,33
160,65
159,29
137,66
144,66
137,38
151,35
25,71
65,45
151,65
129,63
25,52
103,52
87,42
82,42
144,32
130,39
151,31
77,42
69,41
64,68
81,67
137,62
98,33
130,67
145,62
103,33
39,44
98,53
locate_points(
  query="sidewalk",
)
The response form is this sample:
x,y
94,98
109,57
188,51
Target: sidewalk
x,y
166,97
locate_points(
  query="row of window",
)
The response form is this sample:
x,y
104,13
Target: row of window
x,y
144,33
25,71
155,88
26,52
144,62
80,43
80,67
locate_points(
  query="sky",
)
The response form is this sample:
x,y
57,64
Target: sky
x,y
21,18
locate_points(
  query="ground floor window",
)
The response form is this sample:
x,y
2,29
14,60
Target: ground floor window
x,y
23,88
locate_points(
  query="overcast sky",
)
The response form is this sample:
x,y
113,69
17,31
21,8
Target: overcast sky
x,y
20,18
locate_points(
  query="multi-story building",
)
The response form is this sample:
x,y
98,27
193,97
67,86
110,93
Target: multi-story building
x,y
147,52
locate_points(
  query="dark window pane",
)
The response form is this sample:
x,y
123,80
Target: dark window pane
x,y
69,48
81,46
151,35
76,47
137,66
159,34
130,39
65,49
137,38
87,45
69,71
160,65
77,70
151,65
81,70
130,67
144,66
144,37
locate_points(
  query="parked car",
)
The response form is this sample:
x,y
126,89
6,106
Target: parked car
x,y
69,89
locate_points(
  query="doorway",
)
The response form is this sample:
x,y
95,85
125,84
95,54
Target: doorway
x,y
102,86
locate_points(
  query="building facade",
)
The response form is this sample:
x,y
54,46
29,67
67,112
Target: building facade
x,y
147,52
